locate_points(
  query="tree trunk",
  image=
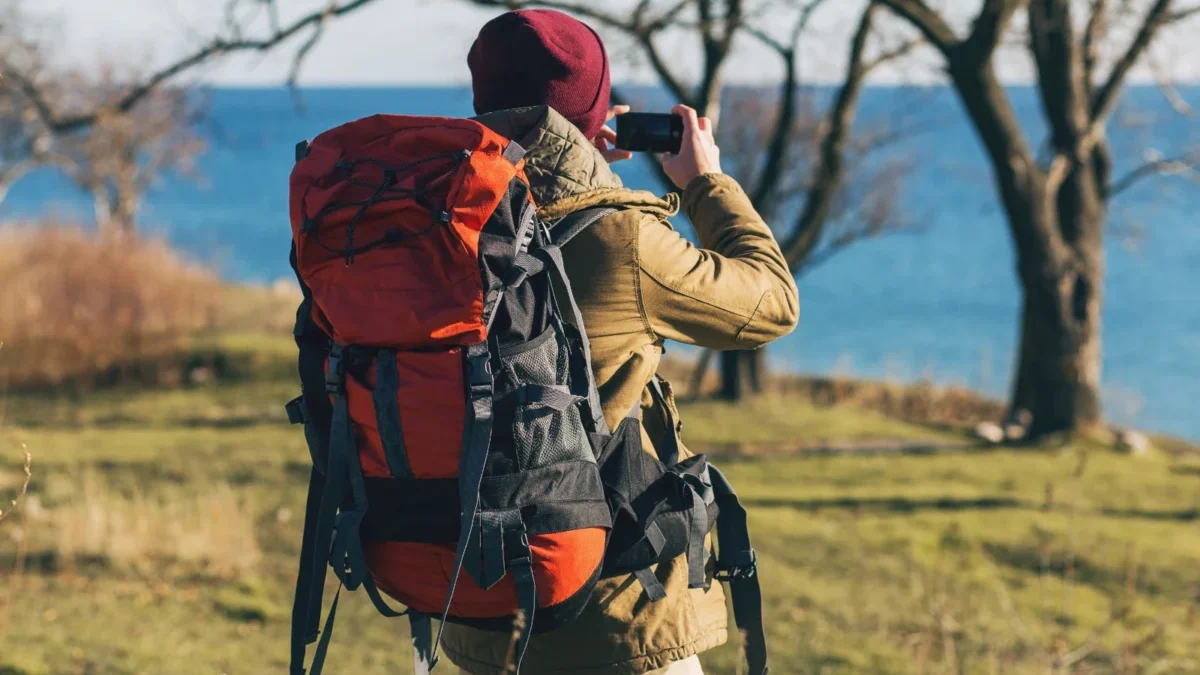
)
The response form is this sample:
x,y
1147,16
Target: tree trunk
x,y
1058,368
742,374
1058,372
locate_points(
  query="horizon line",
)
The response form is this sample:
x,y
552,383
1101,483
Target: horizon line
x,y
641,85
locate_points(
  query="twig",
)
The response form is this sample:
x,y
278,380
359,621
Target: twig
x,y
1163,79
1106,98
1189,162
927,20
16,501
298,63
1097,28
510,657
217,47
1184,13
830,171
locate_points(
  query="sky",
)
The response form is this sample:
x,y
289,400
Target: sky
x,y
424,42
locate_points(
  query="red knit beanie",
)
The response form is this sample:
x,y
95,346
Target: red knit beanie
x,y
541,57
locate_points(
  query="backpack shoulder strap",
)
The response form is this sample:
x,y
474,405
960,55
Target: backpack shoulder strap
x,y
565,228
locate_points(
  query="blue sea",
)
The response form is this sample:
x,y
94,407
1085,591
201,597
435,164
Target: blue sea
x,y
939,301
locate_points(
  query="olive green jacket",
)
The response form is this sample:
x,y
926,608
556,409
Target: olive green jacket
x,y
639,283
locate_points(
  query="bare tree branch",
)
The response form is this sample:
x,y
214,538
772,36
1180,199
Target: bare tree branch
x,y
989,27
219,46
1093,35
272,14
1168,89
797,30
1106,98
1060,74
668,78
1187,163
821,256
829,172
716,50
779,145
899,51
928,21
1185,13
298,63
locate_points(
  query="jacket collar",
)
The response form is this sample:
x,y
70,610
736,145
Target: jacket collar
x,y
565,171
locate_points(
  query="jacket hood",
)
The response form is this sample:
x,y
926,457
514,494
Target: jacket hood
x,y
566,172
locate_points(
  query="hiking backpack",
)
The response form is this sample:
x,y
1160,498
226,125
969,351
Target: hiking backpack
x,y
462,465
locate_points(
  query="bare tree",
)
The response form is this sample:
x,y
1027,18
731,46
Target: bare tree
x,y
119,154
1056,208
122,155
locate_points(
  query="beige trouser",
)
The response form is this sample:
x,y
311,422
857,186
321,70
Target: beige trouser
x,y
689,666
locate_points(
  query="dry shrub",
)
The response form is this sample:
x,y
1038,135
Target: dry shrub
x,y
919,403
76,307
211,533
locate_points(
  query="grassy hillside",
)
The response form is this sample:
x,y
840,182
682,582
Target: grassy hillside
x,y
161,531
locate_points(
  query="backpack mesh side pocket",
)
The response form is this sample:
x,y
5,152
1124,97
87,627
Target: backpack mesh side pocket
x,y
546,430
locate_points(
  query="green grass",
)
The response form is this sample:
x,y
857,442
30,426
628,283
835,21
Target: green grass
x,y
162,530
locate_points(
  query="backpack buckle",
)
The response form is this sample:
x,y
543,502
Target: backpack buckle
x,y
738,567
479,371
297,411
335,376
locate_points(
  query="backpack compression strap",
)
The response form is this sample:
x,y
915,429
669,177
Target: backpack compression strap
x,y
738,566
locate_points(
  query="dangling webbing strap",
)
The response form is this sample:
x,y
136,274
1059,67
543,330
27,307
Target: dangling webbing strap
x,y
517,559
476,440
699,485
343,486
306,619
421,627
738,566
655,540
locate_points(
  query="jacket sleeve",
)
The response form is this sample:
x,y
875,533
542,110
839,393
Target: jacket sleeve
x,y
735,292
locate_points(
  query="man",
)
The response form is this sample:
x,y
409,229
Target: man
x,y
541,78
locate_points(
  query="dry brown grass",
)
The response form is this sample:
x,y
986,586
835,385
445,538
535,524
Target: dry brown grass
x,y
76,307
210,533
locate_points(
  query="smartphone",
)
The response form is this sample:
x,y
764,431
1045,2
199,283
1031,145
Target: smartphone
x,y
649,132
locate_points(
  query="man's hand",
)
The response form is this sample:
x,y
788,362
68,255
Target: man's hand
x,y
606,140
698,153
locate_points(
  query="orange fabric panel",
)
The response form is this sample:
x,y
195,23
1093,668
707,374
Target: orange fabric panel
x,y
432,400
418,575
433,410
429,282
